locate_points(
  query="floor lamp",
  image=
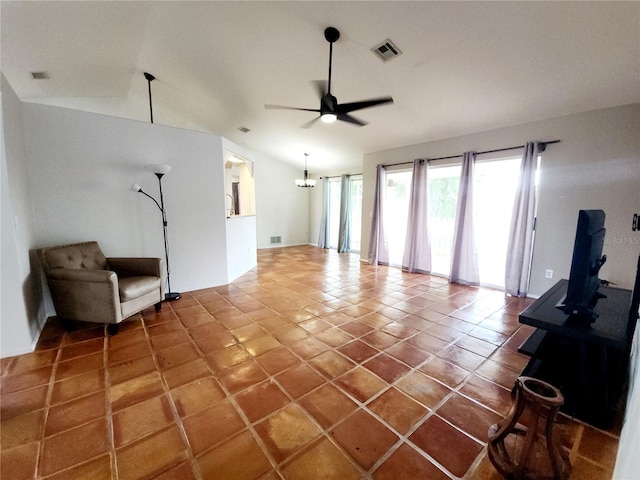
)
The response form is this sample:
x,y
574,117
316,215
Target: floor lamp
x,y
160,170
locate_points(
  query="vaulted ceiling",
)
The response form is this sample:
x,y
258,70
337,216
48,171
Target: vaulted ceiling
x,y
465,66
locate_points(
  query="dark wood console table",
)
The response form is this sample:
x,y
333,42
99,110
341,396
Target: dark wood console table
x,y
587,363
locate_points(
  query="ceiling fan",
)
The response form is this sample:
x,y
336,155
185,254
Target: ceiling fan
x,y
330,110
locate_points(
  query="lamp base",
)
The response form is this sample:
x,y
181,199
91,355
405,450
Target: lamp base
x,y
171,296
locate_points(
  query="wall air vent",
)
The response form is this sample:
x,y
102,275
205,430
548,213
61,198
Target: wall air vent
x,y
40,75
386,50
276,240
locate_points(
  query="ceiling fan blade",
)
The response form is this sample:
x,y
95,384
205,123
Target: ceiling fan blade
x,y
348,118
283,107
353,106
329,106
311,123
321,87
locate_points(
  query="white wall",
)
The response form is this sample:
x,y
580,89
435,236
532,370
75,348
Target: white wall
x,y
82,168
241,245
20,295
69,178
282,208
596,165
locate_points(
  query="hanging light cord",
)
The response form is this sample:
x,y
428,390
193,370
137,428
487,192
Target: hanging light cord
x,y
150,78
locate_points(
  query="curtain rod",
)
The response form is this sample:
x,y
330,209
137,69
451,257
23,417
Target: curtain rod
x,y
338,176
477,153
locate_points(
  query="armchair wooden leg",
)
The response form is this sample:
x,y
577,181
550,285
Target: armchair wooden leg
x,y
112,328
66,324
158,306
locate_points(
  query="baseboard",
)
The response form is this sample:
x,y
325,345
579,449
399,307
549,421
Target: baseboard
x,y
21,351
34,341
282,245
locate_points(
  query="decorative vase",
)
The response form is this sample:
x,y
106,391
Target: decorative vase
x,y
524,445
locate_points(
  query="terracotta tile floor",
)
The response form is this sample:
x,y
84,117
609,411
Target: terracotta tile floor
x,y
313,365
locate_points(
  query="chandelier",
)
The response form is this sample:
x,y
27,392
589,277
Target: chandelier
x,y
305,182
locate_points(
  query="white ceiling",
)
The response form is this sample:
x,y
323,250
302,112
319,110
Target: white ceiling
x,y
466,66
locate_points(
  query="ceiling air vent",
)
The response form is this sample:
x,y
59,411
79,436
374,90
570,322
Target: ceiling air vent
x,y
40,75
386,50
244,129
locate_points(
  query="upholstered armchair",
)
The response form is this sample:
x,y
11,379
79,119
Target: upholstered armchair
x,y
87,286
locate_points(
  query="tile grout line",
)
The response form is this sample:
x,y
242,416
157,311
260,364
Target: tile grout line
x,y
324,432
364,405
41,442
174,411
272,378
413,369
231,399
109,410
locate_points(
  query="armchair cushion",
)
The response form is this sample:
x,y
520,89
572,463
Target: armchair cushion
x,y
134,287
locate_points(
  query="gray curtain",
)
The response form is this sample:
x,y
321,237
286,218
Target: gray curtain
x,y
417,247
344,233
378,249
464,254
323,236
520,246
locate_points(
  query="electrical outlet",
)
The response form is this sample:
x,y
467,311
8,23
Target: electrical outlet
x,y
549,274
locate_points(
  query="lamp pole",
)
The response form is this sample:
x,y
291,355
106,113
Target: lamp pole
x,y
159,171
170,296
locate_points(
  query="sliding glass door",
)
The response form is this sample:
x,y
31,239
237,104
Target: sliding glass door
x,y
355,183
356,213
495,189
494,192
396,209
334,211
442,188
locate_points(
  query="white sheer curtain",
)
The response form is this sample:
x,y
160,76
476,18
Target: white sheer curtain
x,y
464,254
417,247
323,236
521,234
378,247
344,234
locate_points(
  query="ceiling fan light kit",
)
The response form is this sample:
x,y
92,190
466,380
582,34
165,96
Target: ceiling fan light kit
x,y
330,110
328,117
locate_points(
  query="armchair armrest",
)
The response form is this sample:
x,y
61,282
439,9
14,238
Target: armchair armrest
x,y
86,295
136,266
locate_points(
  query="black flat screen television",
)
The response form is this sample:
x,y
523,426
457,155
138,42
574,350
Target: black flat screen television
x,y
582,289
